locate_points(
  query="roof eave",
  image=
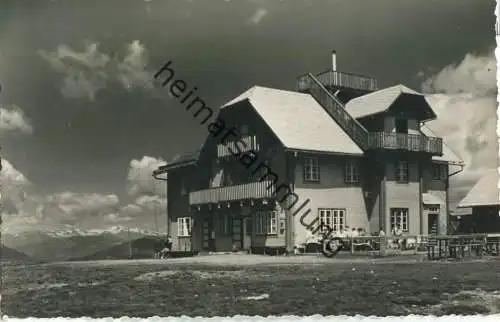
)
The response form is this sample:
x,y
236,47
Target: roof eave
x,y
322,152
165,168
473,205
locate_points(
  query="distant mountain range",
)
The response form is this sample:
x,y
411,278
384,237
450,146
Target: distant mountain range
x,y
138,248
74,243
9,254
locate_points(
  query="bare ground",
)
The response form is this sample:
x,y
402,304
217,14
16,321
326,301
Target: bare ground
x,y
252,285
250,260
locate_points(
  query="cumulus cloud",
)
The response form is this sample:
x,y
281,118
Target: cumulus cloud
x,y
14,184
12,119
257,17
140,180
84,71
87,203
473,75
11,177
463,97
88,71
152,203
132,71
74,211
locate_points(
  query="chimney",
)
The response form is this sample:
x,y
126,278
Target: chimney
x,y
334,60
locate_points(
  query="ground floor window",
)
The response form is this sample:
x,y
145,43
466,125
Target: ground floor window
x,y
266,223
226,224
399,219
184,226
333,218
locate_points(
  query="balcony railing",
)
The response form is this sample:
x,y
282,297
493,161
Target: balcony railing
x,y
347,80
409,142
308,83
249,143
251,190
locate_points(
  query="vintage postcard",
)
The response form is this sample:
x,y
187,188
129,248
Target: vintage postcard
x,y
222,158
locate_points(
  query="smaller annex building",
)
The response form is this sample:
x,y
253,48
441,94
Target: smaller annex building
x,y
484,200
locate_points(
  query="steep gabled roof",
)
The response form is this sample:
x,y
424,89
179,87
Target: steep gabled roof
x,y
298,121
448,155
380,101
484,193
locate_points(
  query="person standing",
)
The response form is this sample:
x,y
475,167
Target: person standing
x,y
167,250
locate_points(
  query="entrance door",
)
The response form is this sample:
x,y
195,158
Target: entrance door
x,y
432,224
208,241
247,233
237,230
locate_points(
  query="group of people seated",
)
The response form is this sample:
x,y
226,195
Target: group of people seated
x,y
348,232
396,239
163,247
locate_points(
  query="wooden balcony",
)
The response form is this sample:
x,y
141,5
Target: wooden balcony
x,y
251,190
248,143
409,142
337,79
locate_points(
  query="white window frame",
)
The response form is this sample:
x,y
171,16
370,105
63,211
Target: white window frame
x,y
335,218
266,223
184,226
402,171
351,172
402,216
311,169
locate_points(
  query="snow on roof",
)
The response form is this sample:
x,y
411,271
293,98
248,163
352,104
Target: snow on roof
x,y
298,121
378,101
484,193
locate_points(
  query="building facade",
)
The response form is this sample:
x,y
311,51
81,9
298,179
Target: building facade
x,y
484,201
337,151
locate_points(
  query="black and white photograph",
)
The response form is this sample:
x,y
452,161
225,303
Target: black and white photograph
x,y
222,158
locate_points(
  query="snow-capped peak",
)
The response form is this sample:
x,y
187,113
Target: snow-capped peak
x,y
75,231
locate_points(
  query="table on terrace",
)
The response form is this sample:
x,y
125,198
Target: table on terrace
x,y
456,246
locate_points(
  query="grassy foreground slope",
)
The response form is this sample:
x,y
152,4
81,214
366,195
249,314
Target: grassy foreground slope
x,y
336,287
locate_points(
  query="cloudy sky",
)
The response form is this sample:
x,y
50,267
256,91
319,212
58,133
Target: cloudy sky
x,y
82,126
